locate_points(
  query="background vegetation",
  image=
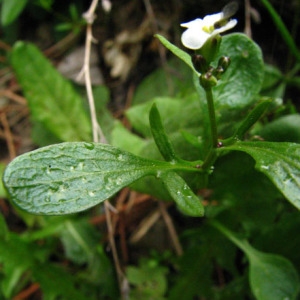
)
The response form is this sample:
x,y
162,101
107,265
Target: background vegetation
x,y
246,246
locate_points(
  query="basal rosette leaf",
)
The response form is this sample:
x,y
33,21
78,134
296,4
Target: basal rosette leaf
x,y
71,177
51,98
280,162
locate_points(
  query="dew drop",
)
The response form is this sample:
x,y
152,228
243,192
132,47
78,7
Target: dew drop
x,y
47,200
265,167
91,194
72,168
80,166
119,181
89,146
158,174
120,157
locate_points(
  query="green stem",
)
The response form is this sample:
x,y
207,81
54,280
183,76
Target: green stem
x,y
212,117
211,155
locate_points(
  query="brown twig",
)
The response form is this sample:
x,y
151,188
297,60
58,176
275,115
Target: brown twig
x,y
25,294
90,16
13,96
8,136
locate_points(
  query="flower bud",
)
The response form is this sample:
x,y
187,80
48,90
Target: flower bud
x,y
207,80
200,63
224,63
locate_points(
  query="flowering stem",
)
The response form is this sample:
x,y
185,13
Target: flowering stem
x,y
211,155
212,116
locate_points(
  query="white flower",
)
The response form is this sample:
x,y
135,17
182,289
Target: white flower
x,y
200,30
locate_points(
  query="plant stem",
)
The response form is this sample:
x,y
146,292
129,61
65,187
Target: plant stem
x,y
211,155
212,117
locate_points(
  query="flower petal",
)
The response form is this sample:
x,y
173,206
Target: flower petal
x,y
193,38
231,23
210,20
197,23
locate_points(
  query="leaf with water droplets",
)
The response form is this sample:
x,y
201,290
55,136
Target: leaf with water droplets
x,y
184,197
71,177
278,161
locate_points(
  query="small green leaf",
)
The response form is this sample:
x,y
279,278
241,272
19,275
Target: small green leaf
x,y
278,161
184,197
51,98
184,56
272,277
161,139
71,177
10,10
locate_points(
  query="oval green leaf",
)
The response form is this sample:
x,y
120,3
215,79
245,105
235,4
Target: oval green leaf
x,y
71,177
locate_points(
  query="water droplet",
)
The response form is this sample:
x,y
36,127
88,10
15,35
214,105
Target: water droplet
x,y
72,168
178,193
120,157
91,194
83,179
80,166
89,146
265,167
119,181
158,174
47,200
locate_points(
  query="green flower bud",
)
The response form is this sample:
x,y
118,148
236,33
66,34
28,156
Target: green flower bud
x,y
207,80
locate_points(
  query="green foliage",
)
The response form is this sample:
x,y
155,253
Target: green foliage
x,y
265,270
23,260
101,169
149,280
10,10
52,100
279,162
241,182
